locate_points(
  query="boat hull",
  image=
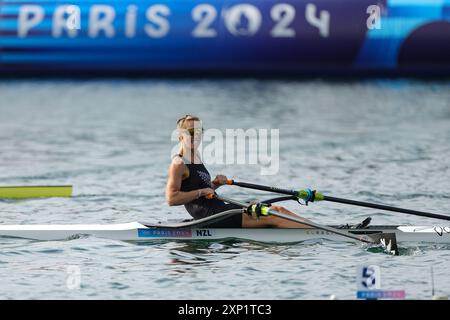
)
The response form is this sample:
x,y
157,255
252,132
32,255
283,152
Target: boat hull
x,y
136,231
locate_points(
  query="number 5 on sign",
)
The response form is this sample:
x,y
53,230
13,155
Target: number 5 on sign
x,y
368,278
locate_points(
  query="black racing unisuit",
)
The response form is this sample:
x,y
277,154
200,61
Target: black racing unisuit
x,y
199,178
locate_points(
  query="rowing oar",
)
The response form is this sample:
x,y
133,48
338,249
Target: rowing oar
x,y
387,240
28,192
311,196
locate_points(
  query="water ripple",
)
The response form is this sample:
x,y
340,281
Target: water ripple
x,y
381,141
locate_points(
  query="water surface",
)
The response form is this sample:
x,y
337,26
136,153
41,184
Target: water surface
x,y
383,141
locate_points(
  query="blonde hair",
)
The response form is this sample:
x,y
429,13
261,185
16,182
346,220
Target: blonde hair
x,y
181,122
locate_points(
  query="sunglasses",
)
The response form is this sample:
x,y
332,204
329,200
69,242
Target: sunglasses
x,y
194,131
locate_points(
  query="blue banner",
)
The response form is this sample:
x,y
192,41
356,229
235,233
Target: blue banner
x,y
292,37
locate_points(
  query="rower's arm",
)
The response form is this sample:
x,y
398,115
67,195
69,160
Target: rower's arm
x,y
174,196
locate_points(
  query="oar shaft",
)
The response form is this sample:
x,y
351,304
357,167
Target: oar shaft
x,y
232,201
298,220
340,200
388,208
263,188
317,226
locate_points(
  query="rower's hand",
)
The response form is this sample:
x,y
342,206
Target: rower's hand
x,y
220,180
206,191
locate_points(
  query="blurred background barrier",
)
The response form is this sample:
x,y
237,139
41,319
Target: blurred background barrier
x,y
225,37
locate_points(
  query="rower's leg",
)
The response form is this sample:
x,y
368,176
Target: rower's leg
x,y
272,221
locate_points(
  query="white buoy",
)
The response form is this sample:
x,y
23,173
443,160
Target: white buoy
x,y
434,296
440,298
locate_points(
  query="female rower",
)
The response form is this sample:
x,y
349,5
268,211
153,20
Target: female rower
x,y
189,182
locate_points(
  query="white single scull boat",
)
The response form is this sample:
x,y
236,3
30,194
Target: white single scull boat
x,y
204,229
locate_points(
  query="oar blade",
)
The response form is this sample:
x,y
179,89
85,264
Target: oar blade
x,y
387,240
30,192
